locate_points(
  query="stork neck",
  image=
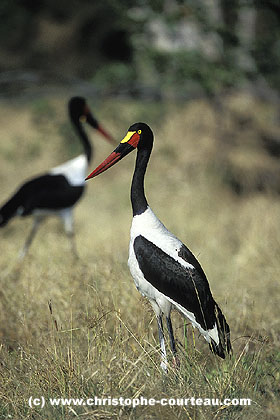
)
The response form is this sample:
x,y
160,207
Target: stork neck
x,y
85,140
137,194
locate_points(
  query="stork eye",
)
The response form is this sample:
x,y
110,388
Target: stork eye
x,y
139,131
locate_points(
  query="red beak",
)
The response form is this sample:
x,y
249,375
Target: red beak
x,y
122,150
93,122
106,164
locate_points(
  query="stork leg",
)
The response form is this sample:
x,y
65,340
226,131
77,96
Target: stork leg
x,y
172,341
163,363
72,238
36,223
171,336
67,218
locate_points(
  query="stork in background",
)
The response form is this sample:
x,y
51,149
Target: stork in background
x,y
59,190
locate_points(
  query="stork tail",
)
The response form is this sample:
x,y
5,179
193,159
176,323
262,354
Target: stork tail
x,y
224,345
10,208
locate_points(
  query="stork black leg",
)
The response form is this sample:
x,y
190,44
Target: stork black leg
x,y
171,336
172,341
68,221
163,363
36,223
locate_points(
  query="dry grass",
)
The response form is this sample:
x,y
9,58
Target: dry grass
x,y
79,328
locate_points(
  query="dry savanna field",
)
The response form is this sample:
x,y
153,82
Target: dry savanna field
x,y
79,328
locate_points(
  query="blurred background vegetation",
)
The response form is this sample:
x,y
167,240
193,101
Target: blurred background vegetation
x,y
155,48
162,51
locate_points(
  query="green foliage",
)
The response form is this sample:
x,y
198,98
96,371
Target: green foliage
x,y
115,77
110,42
16,29
178,70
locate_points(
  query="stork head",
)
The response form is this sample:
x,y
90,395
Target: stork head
x,y
80,112
139,135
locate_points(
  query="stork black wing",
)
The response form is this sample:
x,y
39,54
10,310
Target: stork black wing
x,y
49,192
52,192
186,286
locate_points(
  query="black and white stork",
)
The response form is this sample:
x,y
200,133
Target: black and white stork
x,y
57,191
163,268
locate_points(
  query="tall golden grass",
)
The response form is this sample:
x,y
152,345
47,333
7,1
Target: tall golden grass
x,y
79,328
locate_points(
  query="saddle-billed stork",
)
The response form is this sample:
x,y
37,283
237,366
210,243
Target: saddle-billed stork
x,y
163,268
57,191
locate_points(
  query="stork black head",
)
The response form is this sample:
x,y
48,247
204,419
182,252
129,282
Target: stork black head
x,y
139,136
79,112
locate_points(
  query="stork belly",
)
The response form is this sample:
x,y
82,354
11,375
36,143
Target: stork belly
x,y
159,302
143,286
